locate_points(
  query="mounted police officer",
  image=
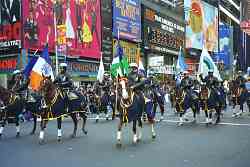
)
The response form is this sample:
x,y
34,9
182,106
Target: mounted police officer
x,y
240,80
136,82
63,79
103,91
210,79
186,82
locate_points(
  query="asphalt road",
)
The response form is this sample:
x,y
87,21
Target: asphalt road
x,y
191,145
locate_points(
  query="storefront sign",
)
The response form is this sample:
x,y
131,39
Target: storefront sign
x,y
83,68
127,18
8,64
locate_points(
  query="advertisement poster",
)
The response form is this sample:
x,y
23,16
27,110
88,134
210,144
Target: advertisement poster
x,y
10,27
202,25
107,56
127,19
78,21
225,54
130,50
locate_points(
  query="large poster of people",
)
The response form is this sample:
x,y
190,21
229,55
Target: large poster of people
x,y
10,27
202,27
127,19
77,23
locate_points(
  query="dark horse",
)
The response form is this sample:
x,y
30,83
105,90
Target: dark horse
x,y
12,107
184,101
55,104
131,106
211,100
237,96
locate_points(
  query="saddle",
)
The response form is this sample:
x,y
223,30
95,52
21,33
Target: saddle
x,y
72,95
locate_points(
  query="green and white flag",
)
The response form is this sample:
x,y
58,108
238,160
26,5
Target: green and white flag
x,y
206,64
119,67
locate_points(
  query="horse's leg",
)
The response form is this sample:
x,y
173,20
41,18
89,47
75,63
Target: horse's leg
x,y
83,115
74,118
162,111
35,123
134,131
119,133
153,129
206,114
181,119
41,135
234,107
97,110
139,130
17,127
210,116
113,111
59,129
2,128
218,111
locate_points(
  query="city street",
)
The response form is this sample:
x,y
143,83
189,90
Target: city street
x,y
191,145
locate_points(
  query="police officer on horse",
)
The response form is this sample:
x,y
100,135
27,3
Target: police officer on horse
x,y
63,80
103,91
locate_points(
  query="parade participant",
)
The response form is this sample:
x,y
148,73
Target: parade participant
x,y
63,79
136,81
240,80
104,94
186,82
210,79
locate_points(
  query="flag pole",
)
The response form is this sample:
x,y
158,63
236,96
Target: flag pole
x,y
116,84
55,29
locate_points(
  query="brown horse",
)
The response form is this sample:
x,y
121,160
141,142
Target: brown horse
x,y
131,106
12,107
55,104
235,92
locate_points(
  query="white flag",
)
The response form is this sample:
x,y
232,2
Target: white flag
x,y
100,71
206,64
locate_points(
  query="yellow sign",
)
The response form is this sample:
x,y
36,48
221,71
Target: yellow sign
x,y
131,50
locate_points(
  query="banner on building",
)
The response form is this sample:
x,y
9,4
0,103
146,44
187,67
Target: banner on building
x,y
10,27
127,18
78,24
202,25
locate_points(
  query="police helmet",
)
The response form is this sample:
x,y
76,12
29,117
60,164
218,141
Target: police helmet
x,y
16,72
63,65
185,72
133,65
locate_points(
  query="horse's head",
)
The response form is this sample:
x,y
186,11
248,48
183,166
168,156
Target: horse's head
x,y
46,85
123,82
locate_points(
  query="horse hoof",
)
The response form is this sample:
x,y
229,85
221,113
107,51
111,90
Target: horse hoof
x,y
41,141
118,145
96,120
0,136
73,135
59,139
180,124
32,133
17,135
85,132
154,136
138,141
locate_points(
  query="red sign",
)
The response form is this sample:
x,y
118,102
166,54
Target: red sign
x,y
8,64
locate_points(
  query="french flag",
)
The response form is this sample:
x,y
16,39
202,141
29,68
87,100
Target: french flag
x,y
38,68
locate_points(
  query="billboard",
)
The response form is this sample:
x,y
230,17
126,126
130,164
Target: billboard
x,y
78,26
201,25
127,19
162,32
10,27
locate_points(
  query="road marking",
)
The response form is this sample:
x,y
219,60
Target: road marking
x,y
176,121
221,123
